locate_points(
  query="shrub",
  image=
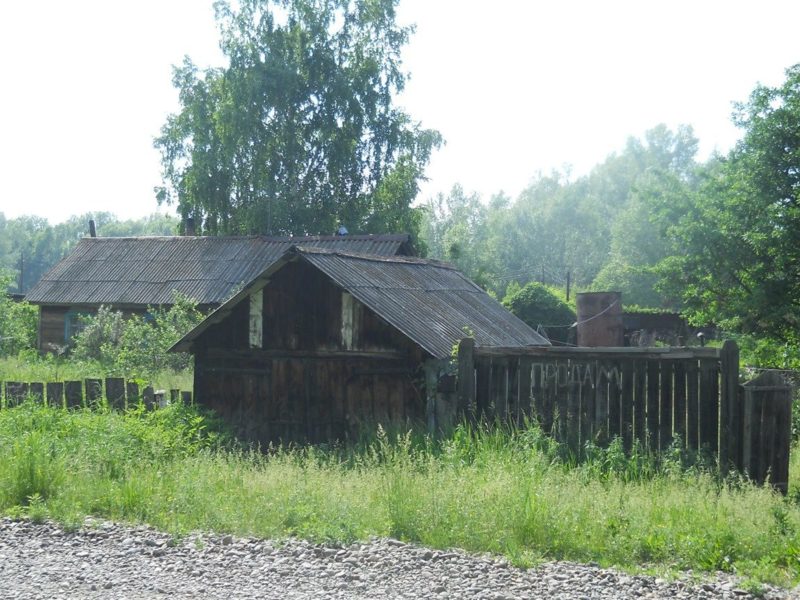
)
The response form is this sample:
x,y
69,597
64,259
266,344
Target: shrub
x,y
18,322
542,310
137,346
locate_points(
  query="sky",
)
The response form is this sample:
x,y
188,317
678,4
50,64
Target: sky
x,y
516,87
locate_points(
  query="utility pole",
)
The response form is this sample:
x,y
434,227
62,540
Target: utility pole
x,y
568,282
21,272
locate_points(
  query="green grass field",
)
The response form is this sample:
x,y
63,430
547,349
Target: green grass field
x,y
510,493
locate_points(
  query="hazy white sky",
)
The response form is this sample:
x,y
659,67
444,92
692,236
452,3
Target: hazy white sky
x,y
515,86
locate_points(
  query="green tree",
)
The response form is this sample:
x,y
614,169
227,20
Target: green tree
x,y
740,264
540,308
18,322
299,132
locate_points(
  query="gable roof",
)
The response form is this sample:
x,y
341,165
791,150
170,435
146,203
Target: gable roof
x,y
430,302
144,271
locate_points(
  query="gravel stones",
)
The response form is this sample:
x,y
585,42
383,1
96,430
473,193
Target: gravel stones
x,y
107,560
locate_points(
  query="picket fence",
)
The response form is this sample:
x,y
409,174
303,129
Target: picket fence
x,y
116,391
655,397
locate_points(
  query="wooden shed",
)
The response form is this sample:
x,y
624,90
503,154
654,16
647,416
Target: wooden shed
x,y
134,273
324,342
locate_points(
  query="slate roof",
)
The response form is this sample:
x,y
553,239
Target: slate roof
x,y
142,271
430,302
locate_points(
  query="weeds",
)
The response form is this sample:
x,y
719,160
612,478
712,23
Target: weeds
x,y
513,492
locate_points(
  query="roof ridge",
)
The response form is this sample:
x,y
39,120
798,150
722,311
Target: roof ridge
x,y
414,260
269,238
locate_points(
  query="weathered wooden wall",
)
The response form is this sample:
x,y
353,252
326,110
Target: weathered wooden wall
x,y
326,365
51,327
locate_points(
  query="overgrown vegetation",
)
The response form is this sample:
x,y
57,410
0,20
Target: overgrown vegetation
x,y
540,308
18,321
137,345
508,492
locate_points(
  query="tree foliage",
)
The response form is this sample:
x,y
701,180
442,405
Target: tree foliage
x,y
740,264
299,132
543,310
18,322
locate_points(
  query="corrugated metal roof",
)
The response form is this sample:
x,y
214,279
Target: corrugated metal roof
x,y
432,303
146,270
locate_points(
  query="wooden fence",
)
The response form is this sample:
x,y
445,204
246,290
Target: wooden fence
x,y
115,391
653,396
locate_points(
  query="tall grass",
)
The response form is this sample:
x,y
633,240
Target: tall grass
x,y
509,492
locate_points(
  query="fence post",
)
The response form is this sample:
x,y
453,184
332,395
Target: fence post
x,y
465,382
55,394
730,434
73,390
15,392
767,429
94,392
115,392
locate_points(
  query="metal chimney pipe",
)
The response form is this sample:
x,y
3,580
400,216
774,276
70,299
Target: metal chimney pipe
x,y
92,229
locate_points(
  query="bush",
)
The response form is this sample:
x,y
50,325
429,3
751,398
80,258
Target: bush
x,y
136,345
541,309
18,323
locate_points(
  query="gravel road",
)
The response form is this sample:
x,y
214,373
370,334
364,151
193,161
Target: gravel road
x,y
107,560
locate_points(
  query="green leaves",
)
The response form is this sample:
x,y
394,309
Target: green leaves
x,y
740,265
298,132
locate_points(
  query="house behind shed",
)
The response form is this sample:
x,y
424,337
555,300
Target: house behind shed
x,y
135,273
323,343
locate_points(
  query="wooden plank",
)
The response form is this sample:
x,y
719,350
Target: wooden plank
x,y
653,395
692,405
614,400
766,440
36,391
779,465
148,397
679,395
561,411
627,404
640,401
573,421
613,353
465,381
186,398
515,393
729,443
751,424
601,401
709,406
665,404
132,393
115,392
483,377
500,388
94,392
524,391
16,391
587,399
73,391
537,393
55,394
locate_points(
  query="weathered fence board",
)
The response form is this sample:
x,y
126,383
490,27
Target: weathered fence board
x,y
89,392
648,396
